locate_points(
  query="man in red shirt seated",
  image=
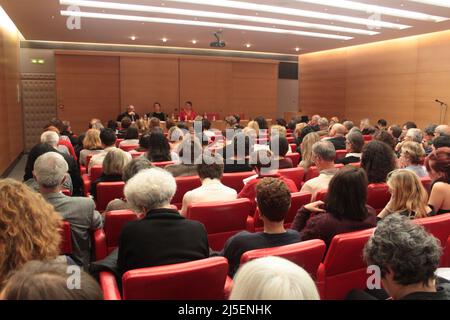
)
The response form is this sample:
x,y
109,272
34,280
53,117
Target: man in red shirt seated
x,y
187,113
262,162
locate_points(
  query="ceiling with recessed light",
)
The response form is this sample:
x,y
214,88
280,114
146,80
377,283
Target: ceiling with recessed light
x,y
283,26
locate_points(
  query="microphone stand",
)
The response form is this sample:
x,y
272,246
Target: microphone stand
x,y
443,104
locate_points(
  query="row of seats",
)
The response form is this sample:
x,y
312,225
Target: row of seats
x,y
337,272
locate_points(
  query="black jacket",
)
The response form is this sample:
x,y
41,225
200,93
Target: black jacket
x,y
125,114
162,237
348,160
338,142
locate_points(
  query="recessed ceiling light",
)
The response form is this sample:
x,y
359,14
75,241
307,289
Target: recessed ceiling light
x,y
248,45
297,49
164,39
218,15
439,3
194,41
364,7
201,23
133,38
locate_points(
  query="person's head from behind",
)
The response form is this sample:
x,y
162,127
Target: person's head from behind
x,y
324,154
395,130
406,254
365,123
144,142
441,142
306,147
154,123
347,194
51,138
190,150
305,131
114,162
414,134
298,127
278,130
108,138
273,278
134,167
408,125
279,146
262,161
314,120
407,193
382,124
337,130
274,200
50,170
438,165
159,148
378,159
111,125
230,121
206,124
262,122
132,133
39,280
354,142
92,140
323,123
334,120
141,126
386,137
241,145
150,189
429,132
281,122
29,227
253,127
442,130
411,153
348,125
211,167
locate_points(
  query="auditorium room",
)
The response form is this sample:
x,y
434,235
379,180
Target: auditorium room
x,y
224,156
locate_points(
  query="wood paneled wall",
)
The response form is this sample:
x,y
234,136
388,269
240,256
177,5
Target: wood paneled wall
x,y
96,85
11,128
397,80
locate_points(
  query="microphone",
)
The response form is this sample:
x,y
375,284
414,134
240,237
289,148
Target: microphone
x,y
439,101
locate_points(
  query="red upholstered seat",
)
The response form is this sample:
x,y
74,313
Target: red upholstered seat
x,y
66,235
66,192
293,147
311,173
367,137
426,182
118,141
184,184
445,261
107,239
306,254
235,180
341,154
290,139
378,196
439,227
343,268
356,164
96,172
221,219
108,191
321,195
295,157
162,164
129,147
298,199
204,279
136,154
296,174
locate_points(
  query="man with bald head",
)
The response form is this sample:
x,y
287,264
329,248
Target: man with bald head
x,y
442,130
337,136
130,113
314,123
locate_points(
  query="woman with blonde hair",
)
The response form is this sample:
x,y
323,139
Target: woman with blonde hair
x,y
91,145
277,130
273,278
29,227
142,126
411,155
306,150
408,196
253,127
154,123
113,166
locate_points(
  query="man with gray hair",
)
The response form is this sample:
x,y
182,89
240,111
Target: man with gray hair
x,y
414,135
323,157
323,126
442,130
354,143
163,236
52,138
348,125
50,170
408,257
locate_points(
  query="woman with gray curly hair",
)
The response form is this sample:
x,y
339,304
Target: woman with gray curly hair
x,y
407,257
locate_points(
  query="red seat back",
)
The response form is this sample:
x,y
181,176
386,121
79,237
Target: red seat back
x,y
96,172
162,164
290,139
129,147
108,191
356,164
88,159
66,241
118,141
426,182
137,154
306,254
293,147
295,174
235,180
196,280
221,219
367,137
298,199
343,268
311,173
341,154
378,196
438,226
295,157
321,195
184,184
66,192
114,222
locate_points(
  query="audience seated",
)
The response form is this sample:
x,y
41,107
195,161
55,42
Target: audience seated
x,y
378,159
344,209
273,198
39,280
323,156
154,123
408,196
273,278
386,137
277,130
175,136
50,170
396,132
125,123
264,166
210,171
438,167
163,236
348,125
428,138
113,166
364,124
306,150
411,157
29,228
144,143
354,142
108,138
412,134
280,147
93,124
406,126
159,149
130,114
337,136
236,154
408,257
440,142
129,171
131,137
262,123
323,127
442,130
142,127
188,152
381,125
91,145
314,122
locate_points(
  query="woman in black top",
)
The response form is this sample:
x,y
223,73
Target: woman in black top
x,y
157,113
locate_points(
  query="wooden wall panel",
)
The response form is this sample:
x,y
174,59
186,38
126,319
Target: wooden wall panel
x,y
397,80
144,81
87,87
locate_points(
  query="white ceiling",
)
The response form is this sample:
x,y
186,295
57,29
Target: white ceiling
x,y
42,20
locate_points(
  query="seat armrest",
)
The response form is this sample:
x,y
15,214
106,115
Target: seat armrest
x,y
109,286
86,184
228,287
100,247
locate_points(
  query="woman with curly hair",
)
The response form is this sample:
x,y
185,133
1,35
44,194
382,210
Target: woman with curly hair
x,y
378,159
29,227
438,167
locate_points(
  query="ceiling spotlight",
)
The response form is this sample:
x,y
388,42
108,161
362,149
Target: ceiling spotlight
x,y
248,45
133,38
164,39
297,49
194,41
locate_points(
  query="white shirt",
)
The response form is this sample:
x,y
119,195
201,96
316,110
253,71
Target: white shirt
x,y
319,183
211,190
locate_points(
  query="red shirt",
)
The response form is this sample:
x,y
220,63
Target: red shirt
x,y
249,190
184,116
69,147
